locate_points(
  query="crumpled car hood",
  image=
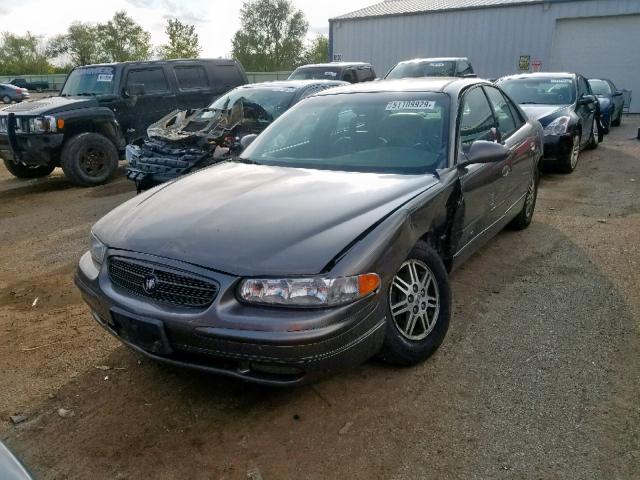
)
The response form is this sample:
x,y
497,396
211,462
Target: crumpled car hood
x,y
255,219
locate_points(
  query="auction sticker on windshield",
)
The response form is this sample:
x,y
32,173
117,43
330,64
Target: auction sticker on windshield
x,y
105,78
411,105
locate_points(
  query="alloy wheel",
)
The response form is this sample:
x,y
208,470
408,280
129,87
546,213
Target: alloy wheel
x,y
531,198
414,300
575,151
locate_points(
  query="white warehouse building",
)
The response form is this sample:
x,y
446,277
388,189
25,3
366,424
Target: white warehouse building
x,y
598,38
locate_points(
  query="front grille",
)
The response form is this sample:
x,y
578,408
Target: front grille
x,y
170,286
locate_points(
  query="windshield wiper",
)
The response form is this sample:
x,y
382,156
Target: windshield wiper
x,y
85,94
245,160
531,103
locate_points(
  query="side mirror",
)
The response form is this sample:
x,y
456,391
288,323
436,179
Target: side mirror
x,y
586,100
247,140
134,90
482,151
617,94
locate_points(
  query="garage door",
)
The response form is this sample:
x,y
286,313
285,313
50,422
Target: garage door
x,y
607,47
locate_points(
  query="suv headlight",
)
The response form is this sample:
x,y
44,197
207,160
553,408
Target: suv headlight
x,y
98,249
558,126
308,292
44,124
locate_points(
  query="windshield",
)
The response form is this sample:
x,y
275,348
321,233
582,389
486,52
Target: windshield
x,y
543,91
600,87
423,69
89,81
384,132
316,73
270,102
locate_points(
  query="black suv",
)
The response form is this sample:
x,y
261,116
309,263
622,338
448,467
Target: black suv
x,y
102,108
352,72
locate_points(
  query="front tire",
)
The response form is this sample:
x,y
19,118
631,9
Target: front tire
x,y
595,137
20,170
618,121
568,163
89,159
6,99
418,309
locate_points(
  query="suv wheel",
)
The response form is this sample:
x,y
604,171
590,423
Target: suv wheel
x,y
419,308
20,170
89,159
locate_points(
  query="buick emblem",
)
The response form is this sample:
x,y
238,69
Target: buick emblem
x,y
150,283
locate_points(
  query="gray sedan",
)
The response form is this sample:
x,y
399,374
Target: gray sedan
x,y
11,93
327,242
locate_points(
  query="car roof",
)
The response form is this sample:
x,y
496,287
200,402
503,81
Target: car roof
x,y
451,85
296,84
435,59
336,64
522,76
217,61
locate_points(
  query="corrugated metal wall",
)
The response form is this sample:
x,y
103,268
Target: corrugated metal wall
x,y
493,38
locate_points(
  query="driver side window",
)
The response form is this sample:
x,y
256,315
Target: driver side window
x,y
476,119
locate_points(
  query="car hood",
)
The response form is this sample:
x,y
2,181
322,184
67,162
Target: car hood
x,y
51,105
257,220
545,113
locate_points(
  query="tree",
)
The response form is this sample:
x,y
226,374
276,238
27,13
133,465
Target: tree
x,y
79,44
271,35
122,39
318,50
183,41
22,54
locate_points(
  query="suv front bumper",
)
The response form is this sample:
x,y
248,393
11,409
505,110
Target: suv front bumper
x,y
31,149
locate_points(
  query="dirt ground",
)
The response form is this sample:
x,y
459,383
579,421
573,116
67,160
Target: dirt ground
x,y
538,378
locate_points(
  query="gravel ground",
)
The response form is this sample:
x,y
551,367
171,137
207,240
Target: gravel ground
x,y
538,378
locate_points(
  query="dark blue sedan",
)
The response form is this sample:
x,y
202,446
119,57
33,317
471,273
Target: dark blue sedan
x,y
611,102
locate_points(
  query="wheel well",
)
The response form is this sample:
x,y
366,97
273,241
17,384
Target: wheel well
x,y
103,128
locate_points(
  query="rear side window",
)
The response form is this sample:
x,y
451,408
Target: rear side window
x,y
191,78
153,80
506,123
365,74
476,119
227,76
464,68
349,75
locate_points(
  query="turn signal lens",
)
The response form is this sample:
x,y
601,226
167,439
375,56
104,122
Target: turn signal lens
x,y
367,283
60,124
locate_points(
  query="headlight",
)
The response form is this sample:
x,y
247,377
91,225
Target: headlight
x,y
98,249
42,124
309,292
558,126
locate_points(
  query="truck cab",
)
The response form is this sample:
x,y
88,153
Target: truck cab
x,y
102,108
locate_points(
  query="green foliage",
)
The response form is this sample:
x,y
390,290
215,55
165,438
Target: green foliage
x,y
79,44
318,50
122,39
22,55
271,35
183,41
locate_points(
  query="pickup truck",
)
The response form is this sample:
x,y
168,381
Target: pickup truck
x,y
101,109
37,86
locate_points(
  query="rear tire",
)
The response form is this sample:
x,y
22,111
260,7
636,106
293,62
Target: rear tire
x,y
20,170
418,308
523,219
89,159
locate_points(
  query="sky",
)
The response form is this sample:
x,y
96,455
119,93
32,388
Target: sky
x,y
215,20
